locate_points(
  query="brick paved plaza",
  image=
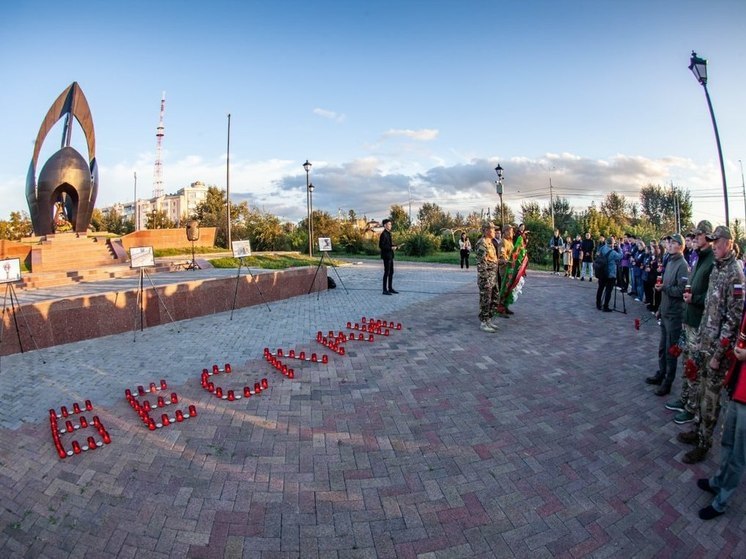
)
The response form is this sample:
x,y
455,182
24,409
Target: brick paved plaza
x,y
439,441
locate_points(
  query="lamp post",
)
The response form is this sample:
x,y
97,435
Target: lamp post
x,y
499,189
698,66
228,183
309,189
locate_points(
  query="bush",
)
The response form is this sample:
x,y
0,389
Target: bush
x,y
420,244
448,243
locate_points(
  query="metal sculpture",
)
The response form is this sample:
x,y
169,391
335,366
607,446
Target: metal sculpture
x,y
64,196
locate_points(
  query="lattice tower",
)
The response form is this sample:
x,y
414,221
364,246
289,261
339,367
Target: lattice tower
x,y
158,171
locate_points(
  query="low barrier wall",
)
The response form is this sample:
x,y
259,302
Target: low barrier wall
x,y
69,320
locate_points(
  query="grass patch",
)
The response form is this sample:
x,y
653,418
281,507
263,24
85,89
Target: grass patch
x,y
159,252
269,261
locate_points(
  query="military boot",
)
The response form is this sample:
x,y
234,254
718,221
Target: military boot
x,y
695,455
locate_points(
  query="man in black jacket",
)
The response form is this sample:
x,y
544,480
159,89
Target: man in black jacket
x,y
385,243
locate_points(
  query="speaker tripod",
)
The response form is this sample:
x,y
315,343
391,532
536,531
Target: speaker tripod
x,y
313,281
193,264
140,307
254,281
15,308
624,304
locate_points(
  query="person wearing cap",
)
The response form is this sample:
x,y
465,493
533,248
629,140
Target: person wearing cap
x,y
733,443
699,279
717,334
671,312
487,259
606,285
387,246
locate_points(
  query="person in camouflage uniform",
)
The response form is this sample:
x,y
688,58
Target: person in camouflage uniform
x,y
487,277
699,280
717,335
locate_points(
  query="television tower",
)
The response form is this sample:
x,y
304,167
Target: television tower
x,y
158,172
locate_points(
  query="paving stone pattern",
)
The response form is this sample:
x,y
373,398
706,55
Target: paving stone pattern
x,y
439,441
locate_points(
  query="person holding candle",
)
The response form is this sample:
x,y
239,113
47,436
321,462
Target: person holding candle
x,y
717,334
733,443
671,312
699,280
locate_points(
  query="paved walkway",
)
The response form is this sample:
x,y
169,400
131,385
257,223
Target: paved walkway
x,y
439,441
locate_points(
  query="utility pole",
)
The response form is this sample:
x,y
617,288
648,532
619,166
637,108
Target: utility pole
x,y
228,181
551,201
743,189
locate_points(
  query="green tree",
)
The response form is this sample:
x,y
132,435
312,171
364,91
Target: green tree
x,y
433,219
16,227
212,213
615,207
564,220
399,218
264,230
530,211
659,205
498,216
158,220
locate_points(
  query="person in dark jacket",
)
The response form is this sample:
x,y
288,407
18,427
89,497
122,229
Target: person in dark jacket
x,y
606,285
699,280
587,248
671,311
387,246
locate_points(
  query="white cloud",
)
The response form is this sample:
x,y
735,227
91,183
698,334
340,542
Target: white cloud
x,y
331,115
423,135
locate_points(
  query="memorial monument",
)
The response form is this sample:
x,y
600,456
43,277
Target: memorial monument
x,y
63,197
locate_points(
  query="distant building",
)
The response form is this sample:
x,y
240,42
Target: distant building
x,y
177,207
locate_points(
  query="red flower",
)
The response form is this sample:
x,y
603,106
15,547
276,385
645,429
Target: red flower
x,y
674,350
724,342
690,370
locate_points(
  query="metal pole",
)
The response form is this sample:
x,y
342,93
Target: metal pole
x,y
228,181
308,214
743,189
502,211
134,203
720,155
310,224
551,201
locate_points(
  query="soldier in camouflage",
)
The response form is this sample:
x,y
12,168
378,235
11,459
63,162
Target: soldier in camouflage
x,y
718,332
487,277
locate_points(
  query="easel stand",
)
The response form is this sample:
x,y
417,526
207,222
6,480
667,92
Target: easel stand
x,y
140,308
624,304
15,308
313,281
193,264
253,279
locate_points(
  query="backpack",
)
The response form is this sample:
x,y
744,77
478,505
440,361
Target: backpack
x,y
330,283
601,265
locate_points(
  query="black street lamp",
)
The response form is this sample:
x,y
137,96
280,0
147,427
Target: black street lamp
x,y
698,66
309,189
499,189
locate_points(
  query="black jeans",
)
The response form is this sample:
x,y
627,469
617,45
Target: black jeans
x,y
465,258
605,286
555,260
388,273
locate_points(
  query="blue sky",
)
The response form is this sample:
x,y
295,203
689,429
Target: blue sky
x,y
390,101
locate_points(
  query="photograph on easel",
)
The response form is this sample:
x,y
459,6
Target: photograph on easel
x,y
141,257
241,249
325,244
10,270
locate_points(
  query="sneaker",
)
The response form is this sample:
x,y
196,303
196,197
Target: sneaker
x,y
637,299
493,322
709,512
676,405
582,279
704,485
683,417
695,455
688,437
487,327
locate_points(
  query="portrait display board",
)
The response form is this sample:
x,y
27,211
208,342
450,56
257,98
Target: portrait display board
x,y
325,244
241,249
10,270
141,257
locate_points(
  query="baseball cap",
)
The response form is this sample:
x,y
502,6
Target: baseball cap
x,y
677,238
721,232
487,225
703,226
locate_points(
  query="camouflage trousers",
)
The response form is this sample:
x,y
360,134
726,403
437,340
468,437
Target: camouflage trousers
x,y
488,290
708,410
690,388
